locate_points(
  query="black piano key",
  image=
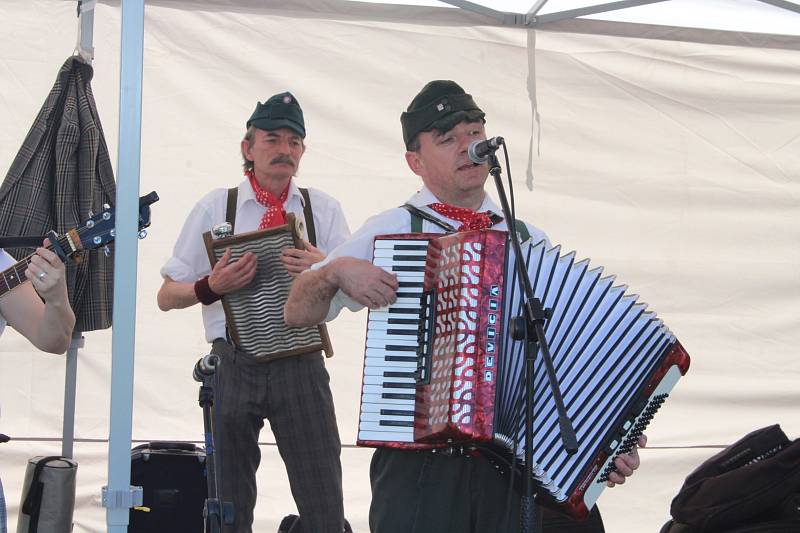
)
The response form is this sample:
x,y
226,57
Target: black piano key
x,y
398,396
416,284
409,294
393,348
401,358
398,423
407,268
392,385
389,374
420,247
420,258
409,321
412,332
396,412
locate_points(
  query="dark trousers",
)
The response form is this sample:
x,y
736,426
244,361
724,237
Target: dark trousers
x,y
424,492
294,395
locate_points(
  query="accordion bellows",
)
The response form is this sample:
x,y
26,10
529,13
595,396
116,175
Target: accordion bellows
x,y
254,313
614,359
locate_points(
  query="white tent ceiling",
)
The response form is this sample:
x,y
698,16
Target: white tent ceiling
x,y
778,17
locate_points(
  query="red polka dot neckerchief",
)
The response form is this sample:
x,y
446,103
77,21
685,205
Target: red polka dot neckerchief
x,y
469,219
275,214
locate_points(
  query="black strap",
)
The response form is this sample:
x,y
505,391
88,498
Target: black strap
x,y
309,216
522,230
230,210
33,501
21,242
418,214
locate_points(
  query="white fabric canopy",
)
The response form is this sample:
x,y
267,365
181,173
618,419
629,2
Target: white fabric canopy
x,y
673,163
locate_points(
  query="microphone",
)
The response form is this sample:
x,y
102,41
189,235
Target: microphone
x,y
205,367
479,151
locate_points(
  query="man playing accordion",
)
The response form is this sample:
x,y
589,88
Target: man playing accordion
x,y
423,491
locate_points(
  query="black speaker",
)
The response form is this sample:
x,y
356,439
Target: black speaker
x,y
173,478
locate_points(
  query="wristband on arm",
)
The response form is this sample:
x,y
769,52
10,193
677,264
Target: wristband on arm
x,y
204,293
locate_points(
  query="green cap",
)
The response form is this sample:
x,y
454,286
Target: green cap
x,y
280,111
440,105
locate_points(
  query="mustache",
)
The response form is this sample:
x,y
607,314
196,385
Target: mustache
x,y
283,159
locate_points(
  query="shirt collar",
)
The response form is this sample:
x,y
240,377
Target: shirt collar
x,y
246,193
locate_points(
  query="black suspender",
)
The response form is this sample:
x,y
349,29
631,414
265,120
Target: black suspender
x,y
418,214
309,216
230,210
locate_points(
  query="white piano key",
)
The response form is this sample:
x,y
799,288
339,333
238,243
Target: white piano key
x,y
383,319
383,325
392,252
381,341
379,390
378,407
378,367
383,352
391,262
377,417
408,275
370,379
376,426
391,243
386,437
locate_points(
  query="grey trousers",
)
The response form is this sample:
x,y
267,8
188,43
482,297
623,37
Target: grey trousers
x,y
423,492
294,395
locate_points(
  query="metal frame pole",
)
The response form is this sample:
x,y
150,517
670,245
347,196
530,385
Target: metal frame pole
x,y
119,496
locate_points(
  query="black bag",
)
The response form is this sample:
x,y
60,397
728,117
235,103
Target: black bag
x,y
173,479
751,486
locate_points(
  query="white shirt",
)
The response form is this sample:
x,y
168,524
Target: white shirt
x,y
398,220
189,261
6,261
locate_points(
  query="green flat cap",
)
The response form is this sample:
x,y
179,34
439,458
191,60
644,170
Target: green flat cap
x,y
280,111
440,105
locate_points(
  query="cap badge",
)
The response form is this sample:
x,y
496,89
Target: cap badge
x,y
287,99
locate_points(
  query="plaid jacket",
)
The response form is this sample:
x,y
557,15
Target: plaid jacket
x,y
60,174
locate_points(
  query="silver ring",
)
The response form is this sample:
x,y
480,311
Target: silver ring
x,y
42,274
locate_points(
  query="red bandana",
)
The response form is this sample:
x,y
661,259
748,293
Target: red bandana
x,y
469,219
275,214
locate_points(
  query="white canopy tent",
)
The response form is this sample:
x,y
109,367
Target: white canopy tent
x,y
668,154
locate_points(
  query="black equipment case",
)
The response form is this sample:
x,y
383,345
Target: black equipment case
x,y
173,478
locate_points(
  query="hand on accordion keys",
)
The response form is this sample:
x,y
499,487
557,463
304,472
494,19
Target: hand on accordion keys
x,y
365,283
626,464
228,276
297,261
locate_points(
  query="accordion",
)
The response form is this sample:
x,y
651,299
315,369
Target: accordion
x,y
254,313
441,369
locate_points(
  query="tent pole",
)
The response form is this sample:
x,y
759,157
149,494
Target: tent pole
x,y
118,497
590,10
70,383
86,15
783,4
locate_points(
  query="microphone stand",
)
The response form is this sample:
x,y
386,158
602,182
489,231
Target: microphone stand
x,y
530,328
214,513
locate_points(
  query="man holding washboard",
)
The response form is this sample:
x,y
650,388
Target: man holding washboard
x,y
292,392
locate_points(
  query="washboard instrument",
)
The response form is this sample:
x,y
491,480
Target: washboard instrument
x,y
441,370
254,313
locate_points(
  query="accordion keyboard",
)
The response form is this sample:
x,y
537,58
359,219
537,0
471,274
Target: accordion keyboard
x,y
390,363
